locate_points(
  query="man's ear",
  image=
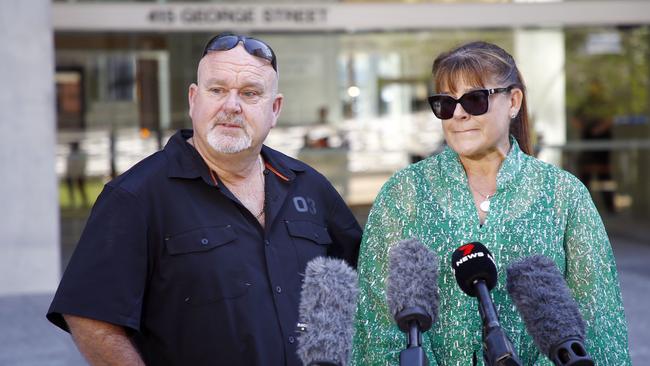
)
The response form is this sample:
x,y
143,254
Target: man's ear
x,y
191,94
277,108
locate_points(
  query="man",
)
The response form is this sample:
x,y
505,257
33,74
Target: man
x,y
75,173
194,256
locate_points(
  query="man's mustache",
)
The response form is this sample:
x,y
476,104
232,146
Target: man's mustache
x,y
229,119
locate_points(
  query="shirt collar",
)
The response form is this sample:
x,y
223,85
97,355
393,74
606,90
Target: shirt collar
x,y
510,168
280,165
186,162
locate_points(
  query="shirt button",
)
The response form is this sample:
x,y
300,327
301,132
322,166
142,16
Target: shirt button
x,y
291,339
267,242
204,241
278,289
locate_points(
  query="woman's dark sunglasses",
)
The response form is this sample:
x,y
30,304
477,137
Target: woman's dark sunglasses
x,y
253,46
475,102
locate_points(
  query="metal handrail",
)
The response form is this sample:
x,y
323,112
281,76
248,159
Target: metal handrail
x,y
599,145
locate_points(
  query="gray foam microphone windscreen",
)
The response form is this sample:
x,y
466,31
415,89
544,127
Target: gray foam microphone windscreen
x,y
544,301
328,302
412,279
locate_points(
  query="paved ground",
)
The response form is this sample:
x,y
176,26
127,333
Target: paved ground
x,y
633,262
28,339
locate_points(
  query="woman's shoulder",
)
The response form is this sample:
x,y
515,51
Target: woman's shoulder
x,y
563,179
413,175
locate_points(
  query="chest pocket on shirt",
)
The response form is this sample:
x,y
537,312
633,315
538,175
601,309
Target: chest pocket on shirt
x,y
205,265
200,240
309,239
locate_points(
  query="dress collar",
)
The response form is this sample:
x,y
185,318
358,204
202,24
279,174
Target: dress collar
x,y
510,167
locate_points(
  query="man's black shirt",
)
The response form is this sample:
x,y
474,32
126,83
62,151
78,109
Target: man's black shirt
x,y
173,256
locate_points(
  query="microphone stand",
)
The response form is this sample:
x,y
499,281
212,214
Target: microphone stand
x,y
413,321
497,348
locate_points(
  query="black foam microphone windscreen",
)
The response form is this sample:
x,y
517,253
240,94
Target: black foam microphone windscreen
x,y
482,267
550,313
412,279
328,302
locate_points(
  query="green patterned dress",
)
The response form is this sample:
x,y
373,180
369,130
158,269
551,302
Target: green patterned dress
x,y
537,209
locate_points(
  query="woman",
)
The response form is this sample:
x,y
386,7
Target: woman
x,y
485,186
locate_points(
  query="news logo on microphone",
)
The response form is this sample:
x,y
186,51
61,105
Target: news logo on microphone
x,y
476,274
471,262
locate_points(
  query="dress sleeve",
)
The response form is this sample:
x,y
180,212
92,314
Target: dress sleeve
x,y
105,279
592,277
377,340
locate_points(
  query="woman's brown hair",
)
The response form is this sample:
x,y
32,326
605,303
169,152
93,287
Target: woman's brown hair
x,y
476,63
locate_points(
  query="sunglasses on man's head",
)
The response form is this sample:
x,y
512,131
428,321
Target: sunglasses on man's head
x,y
475,102
253,46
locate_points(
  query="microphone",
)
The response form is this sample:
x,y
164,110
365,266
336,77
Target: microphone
x,y
328,301
550,313
476,274
412,295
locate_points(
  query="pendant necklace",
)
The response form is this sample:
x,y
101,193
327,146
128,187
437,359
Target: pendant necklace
x,y
485,204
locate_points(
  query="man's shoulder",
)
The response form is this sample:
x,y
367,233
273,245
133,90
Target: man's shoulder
x,y
293,164
304,173
144,175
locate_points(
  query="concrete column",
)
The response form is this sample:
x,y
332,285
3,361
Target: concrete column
x,y
29,216
540,56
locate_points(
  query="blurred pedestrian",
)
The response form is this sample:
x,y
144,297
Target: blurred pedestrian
x,y
76,173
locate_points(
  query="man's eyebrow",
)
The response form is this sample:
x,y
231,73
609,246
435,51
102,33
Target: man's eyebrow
x,y
213,80
253,84
221,81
